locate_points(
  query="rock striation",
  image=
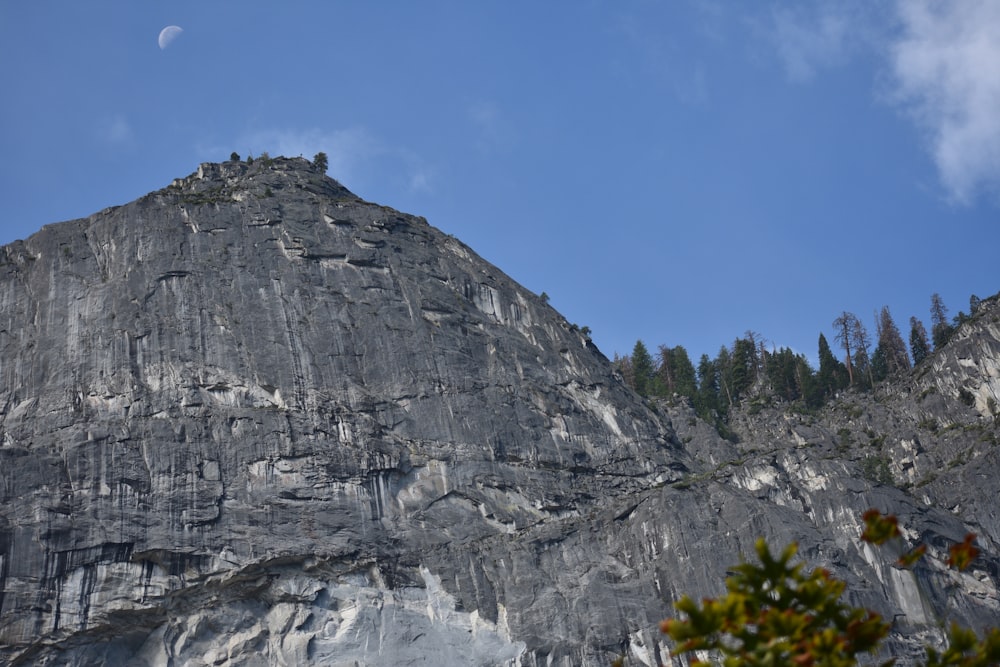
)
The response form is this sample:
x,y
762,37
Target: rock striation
x,y
252,419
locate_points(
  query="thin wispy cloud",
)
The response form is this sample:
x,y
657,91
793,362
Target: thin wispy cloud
x,y
811,38
117,131
808,43
421,181
662,56
355,155
412,170
946,65
493,133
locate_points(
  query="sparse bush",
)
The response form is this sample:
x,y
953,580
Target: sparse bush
x,y
929,424
876,470
966,397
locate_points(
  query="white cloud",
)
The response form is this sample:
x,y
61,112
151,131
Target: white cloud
x,y
493,132
356,157
116,130
946,66
421,180
944,59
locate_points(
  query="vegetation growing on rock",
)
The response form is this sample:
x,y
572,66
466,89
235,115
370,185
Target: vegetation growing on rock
x,y
749,368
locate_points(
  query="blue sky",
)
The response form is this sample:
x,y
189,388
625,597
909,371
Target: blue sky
x,y
679,172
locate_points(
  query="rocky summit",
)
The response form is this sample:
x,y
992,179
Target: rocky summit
x,y
252,419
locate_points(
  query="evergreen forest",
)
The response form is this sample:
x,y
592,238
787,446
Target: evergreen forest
x,y
751,369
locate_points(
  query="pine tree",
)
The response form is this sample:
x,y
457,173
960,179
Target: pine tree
x,y
642,369
723,363
920,348
744,367
879,365
792,378
844,327
785,374
707,403
757,342
891,345
665,372
809,388
832,376
861,342
320,162
687,384
940,329
676,372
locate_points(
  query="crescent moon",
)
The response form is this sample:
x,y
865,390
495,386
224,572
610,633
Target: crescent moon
x,y
168,35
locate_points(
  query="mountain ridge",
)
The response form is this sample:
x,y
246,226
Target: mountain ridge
x,y
250,418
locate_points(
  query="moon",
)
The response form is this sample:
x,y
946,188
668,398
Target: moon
x,y
168,35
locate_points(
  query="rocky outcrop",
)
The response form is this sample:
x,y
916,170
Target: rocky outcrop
x,y
252,419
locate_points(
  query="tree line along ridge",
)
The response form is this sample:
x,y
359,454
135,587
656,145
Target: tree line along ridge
x,y
748,368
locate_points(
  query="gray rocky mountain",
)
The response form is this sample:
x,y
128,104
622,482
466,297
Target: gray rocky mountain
x,y
251,419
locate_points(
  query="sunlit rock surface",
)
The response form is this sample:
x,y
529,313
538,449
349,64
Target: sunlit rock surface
x,y
251,419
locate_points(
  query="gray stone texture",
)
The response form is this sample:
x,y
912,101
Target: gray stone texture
x,y
251,419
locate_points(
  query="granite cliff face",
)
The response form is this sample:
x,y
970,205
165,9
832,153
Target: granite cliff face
x,y
251,419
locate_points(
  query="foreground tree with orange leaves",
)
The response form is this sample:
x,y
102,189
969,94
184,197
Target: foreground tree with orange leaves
x,y
776,614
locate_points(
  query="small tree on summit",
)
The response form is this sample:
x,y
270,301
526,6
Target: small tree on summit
x,y
320,162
